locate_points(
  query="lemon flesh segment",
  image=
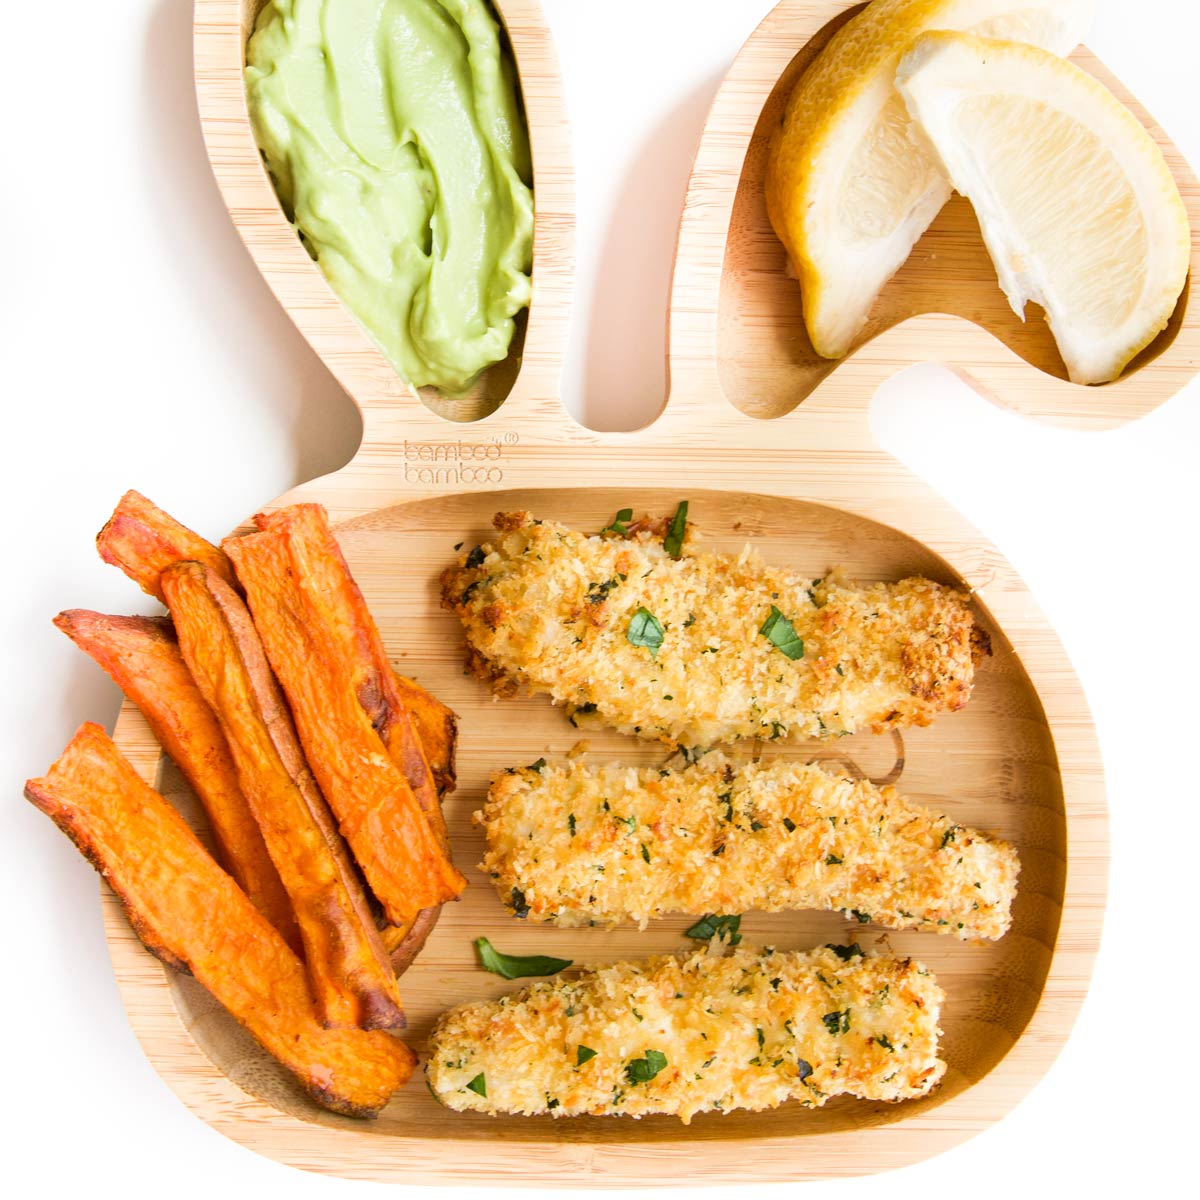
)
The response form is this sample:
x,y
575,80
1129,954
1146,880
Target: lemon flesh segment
x,y
1075,201
851,185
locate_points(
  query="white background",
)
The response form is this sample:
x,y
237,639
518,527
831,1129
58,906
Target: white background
x,y
141,349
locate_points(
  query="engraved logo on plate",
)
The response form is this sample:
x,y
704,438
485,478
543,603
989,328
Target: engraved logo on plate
x,y
456,463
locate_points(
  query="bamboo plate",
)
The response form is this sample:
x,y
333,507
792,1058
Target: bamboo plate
x,y
810,487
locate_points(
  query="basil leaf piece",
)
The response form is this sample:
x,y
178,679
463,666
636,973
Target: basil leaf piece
x,y
781,633
642,1070
584,1054
673,542
475,558
837,1022
619,522
478,1085
846,953
645,629
711,925
514,966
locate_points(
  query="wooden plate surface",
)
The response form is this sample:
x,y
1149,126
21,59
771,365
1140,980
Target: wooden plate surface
x,y
809,487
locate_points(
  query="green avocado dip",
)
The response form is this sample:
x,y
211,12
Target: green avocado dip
x,y
394,135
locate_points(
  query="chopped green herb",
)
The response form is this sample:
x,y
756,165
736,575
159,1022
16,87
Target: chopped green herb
x,y
571,823
512,966
517,903
551,1103
691,620
475,558
839,670
837,1022
803,1069
885,1042
642,1070
781,633
832,860
598,592
630,823
719,850
537,766
761,1039
645,629
948,836
584,1054
619,522
645,852
789,824
673,542
710,926
845,953
756,826
478,1085
861,917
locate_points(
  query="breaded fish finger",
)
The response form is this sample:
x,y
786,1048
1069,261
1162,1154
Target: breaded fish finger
x,y
708,647
577,843
696,1033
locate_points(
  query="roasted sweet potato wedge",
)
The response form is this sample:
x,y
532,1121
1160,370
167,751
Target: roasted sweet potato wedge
x,y
193,916
348,968
143,541
334,600
142,656
437,727
316,657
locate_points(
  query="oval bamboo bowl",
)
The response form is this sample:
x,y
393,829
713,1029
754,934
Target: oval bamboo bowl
x,y
810,487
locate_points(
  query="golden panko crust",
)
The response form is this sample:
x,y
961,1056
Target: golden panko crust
x,y
551,610
696,1033
600,844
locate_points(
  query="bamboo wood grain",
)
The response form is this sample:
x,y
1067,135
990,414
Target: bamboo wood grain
x,y
809,487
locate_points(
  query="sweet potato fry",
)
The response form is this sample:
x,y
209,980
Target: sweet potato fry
x,y
348,969
437,728
404,862
192,915
143,541
334,600
142,656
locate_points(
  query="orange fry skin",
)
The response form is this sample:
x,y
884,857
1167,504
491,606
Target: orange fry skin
x,y
338,604
142,656
405,863
143,541
348,968
192,915
437,729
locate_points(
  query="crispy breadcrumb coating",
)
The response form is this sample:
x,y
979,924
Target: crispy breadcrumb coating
x,y
696,1033
619,631
580,843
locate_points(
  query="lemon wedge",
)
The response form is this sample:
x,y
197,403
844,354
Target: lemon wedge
x,y
850,185
1075,201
